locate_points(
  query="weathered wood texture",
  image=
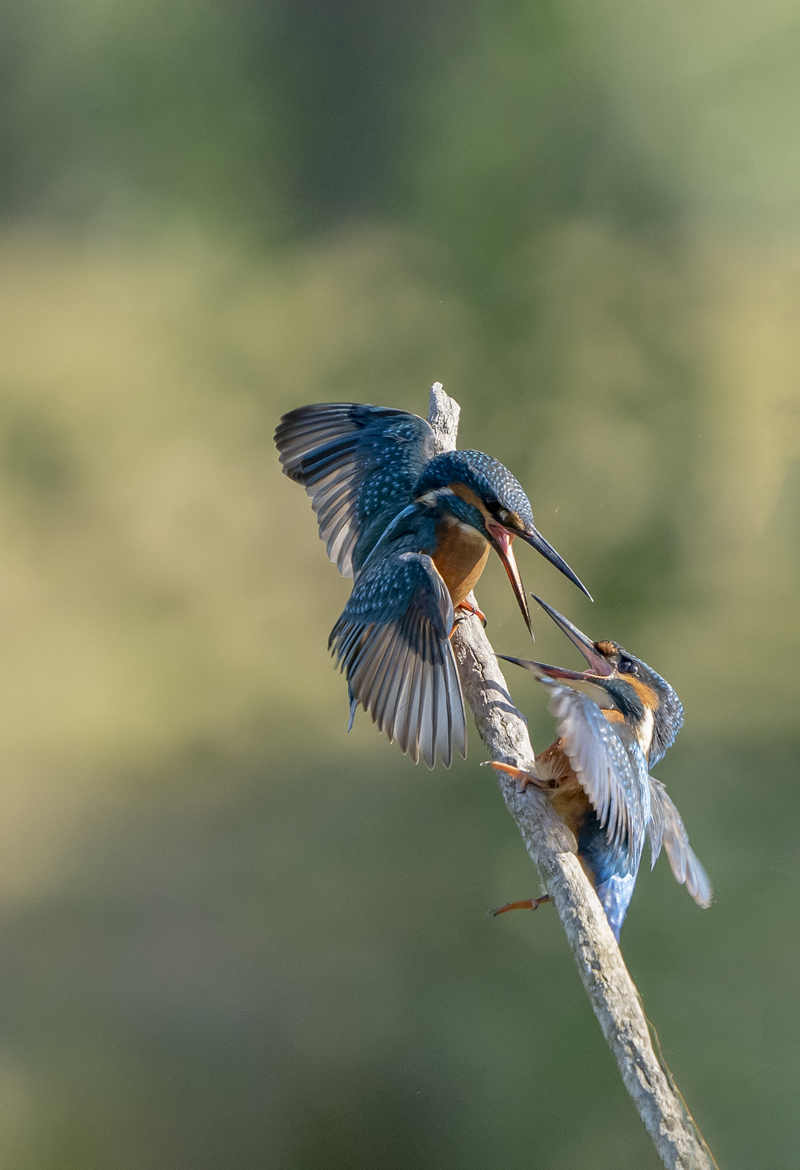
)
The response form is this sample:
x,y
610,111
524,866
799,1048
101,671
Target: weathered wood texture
x,y
608,984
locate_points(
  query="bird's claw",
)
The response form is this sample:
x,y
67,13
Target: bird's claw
x,y
466,609
525,904
522,777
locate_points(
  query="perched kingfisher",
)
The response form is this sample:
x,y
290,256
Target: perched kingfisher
x,y
414,529
615,721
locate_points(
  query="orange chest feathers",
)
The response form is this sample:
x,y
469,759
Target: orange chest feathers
x,y
566,795
461,556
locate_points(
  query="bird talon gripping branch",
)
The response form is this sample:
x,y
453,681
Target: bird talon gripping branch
x,y
522,777
414,529
466,609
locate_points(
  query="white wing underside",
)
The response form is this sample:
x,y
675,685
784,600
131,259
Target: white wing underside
x,y
609,764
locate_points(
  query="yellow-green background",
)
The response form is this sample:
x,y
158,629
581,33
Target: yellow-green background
x,y
233,936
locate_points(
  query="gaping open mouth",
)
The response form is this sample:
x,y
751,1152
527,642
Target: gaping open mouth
x,y
599,666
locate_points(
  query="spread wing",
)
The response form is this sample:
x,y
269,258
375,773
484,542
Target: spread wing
x,y
359,465
392,642
610,767
667,827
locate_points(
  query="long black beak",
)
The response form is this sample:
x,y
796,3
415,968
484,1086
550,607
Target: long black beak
x,y
598,665
543,667
534,538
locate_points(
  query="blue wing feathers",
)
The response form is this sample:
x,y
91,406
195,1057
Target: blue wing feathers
x,y
611,769
359,464
392,643
684,862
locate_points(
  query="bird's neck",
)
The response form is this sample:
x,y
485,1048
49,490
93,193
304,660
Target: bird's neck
x,y
642,727
460,557
644,731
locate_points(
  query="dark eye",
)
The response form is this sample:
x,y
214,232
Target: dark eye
x,y
503,515
626,666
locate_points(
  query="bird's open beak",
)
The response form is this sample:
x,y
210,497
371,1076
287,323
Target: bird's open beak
x,y
501,541
533,537
599,667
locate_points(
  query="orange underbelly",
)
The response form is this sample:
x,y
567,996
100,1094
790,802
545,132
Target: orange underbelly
x,y
567,796
571,803
461,557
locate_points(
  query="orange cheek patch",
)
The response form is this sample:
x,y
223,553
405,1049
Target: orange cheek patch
x,y
645,692
461,489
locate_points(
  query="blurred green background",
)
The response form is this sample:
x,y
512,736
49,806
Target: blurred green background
x,y
234,936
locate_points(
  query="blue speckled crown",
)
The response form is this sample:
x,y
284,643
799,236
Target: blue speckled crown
x,y
488,477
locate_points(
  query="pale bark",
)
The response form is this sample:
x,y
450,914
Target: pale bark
x,y
608,984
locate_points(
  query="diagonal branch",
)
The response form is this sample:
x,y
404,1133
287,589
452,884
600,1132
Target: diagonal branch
x,y
608,984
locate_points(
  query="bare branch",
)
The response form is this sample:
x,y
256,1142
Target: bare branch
x,y
611,990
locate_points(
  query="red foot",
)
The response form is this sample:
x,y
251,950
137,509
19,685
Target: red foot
x,y
525,904
468,607
522,777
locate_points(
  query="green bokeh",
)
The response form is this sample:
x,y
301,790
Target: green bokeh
x,y
233,935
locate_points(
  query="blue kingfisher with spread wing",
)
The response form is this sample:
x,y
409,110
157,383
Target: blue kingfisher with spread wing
x,y
615,721
414,529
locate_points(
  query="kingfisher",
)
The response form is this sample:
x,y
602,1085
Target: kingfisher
x,y
616,720
414,529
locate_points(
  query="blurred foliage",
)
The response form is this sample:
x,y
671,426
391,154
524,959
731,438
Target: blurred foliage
x,y
235,936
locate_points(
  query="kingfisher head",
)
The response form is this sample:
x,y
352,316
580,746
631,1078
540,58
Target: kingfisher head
x,y
618,681
482,494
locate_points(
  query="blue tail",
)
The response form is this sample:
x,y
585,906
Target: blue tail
x,y
614,877
615,898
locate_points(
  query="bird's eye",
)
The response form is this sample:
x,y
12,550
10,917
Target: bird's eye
x,y
627,666
503,515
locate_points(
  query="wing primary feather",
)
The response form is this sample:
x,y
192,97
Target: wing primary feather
x,y
415,706
686,867
439,718
401,697
426,700
326,460
378,676
362,667
698,882
345,641
405,723
402,721
404,660
434,674
330,507
364,674
443,720
429,712
357,651
388,690
655,826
